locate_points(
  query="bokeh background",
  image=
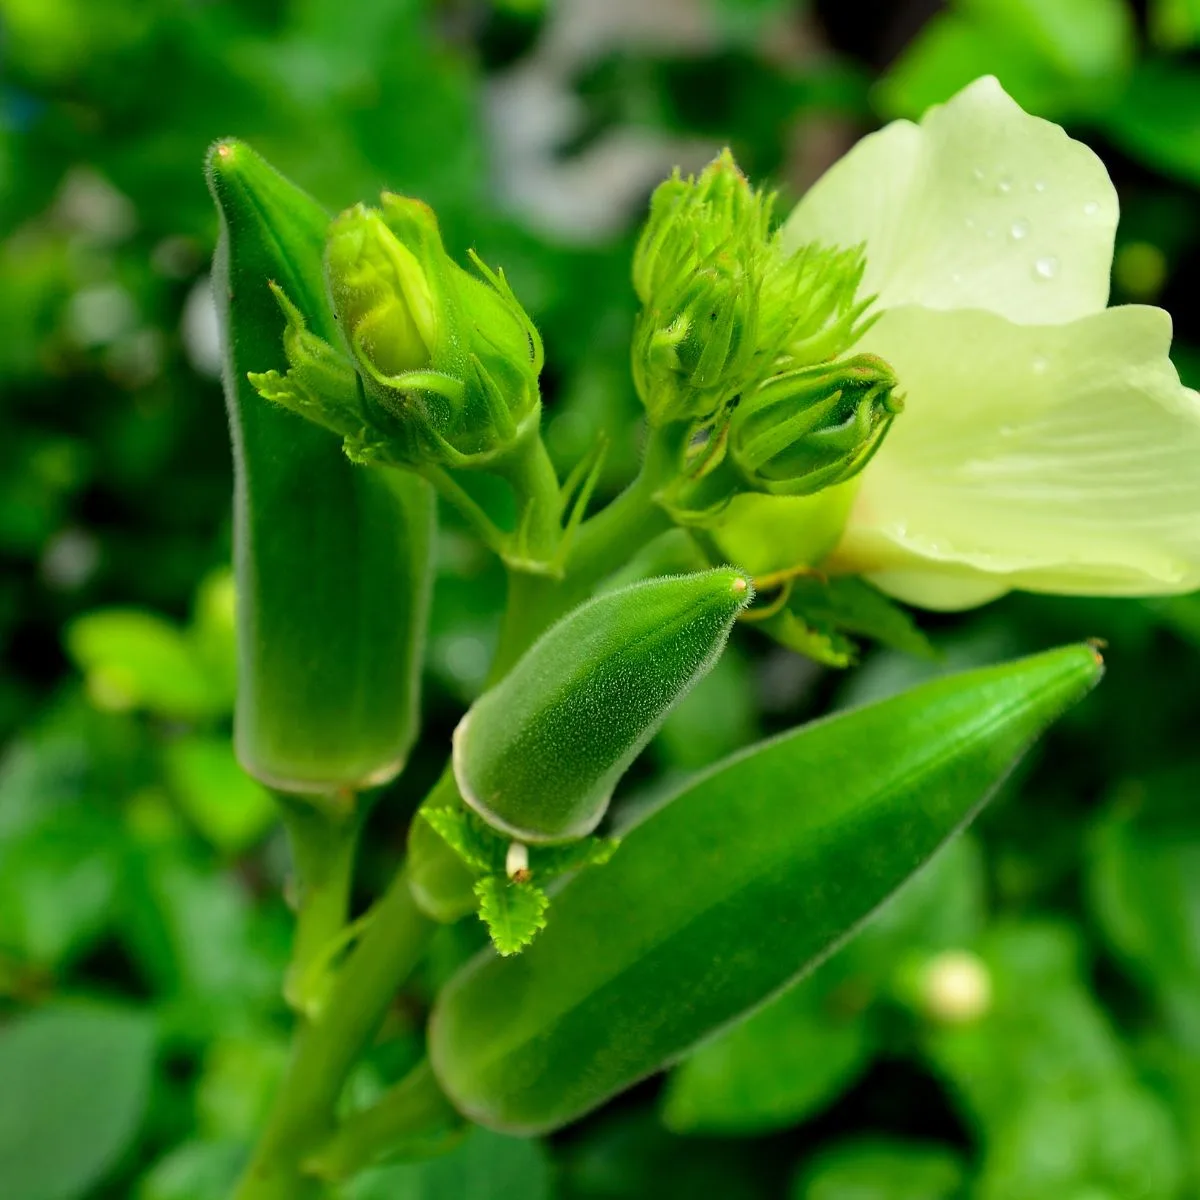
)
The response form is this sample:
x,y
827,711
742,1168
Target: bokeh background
x,y
1023,1023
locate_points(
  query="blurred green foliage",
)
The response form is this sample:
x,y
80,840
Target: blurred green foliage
x,y
143,930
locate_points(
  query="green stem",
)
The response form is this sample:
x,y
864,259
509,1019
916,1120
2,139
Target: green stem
x,y
603,544
323,841
326,1049
534,481
411,1120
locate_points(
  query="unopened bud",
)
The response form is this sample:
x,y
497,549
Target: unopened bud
x,y
381,295
449,362
815,427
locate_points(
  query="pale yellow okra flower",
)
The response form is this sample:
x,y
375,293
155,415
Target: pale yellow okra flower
x,y
1046,442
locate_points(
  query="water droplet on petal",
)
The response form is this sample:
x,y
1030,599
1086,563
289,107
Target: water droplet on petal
x,y
1046,267
1040,364
1091,208
1039,185
1004,185
977,174
899,529
1019,230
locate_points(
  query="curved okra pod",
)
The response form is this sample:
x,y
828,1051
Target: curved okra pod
x,y
332,560
733,888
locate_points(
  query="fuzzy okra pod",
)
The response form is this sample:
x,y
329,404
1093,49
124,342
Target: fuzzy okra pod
x,y
538,755
332,560
731,889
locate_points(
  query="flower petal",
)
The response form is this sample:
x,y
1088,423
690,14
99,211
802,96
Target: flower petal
x,y
1061,458
980,206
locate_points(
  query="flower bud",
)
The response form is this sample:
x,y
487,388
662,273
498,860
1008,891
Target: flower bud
x,y
725,306
689,361
693,220
815,427
449,363
381,295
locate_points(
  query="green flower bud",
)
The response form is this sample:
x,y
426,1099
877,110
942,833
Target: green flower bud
x,y
724,306
687,362
538,756
449,363
815,427
692,221
381,295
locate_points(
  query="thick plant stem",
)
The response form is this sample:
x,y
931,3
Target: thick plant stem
x,y
323,840
326,1049
412,1120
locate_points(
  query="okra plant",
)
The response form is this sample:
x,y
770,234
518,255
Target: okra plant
x,y
908,391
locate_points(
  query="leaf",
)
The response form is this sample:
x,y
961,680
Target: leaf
x,y
195,1171
229,808
1143,883
485,1166
77,1082
135,659
783,1064
1058,58
820,613
470,837
1043,1028
513,912
731,888
882,1170
1154,118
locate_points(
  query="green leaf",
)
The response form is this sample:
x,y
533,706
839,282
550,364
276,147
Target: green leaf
x,y
1143,881
882,1170
1154,118
1043,1026
514,912
819,613
59,884
739,883
486,1166
229,808
135,659
1058,58
76,1090
783,1064
470,837
195,1171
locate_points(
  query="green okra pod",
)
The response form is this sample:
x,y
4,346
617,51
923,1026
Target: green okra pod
x,y
539,754
731,889
332,560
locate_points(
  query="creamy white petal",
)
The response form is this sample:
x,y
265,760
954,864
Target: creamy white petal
x,y
979,206
1062,458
